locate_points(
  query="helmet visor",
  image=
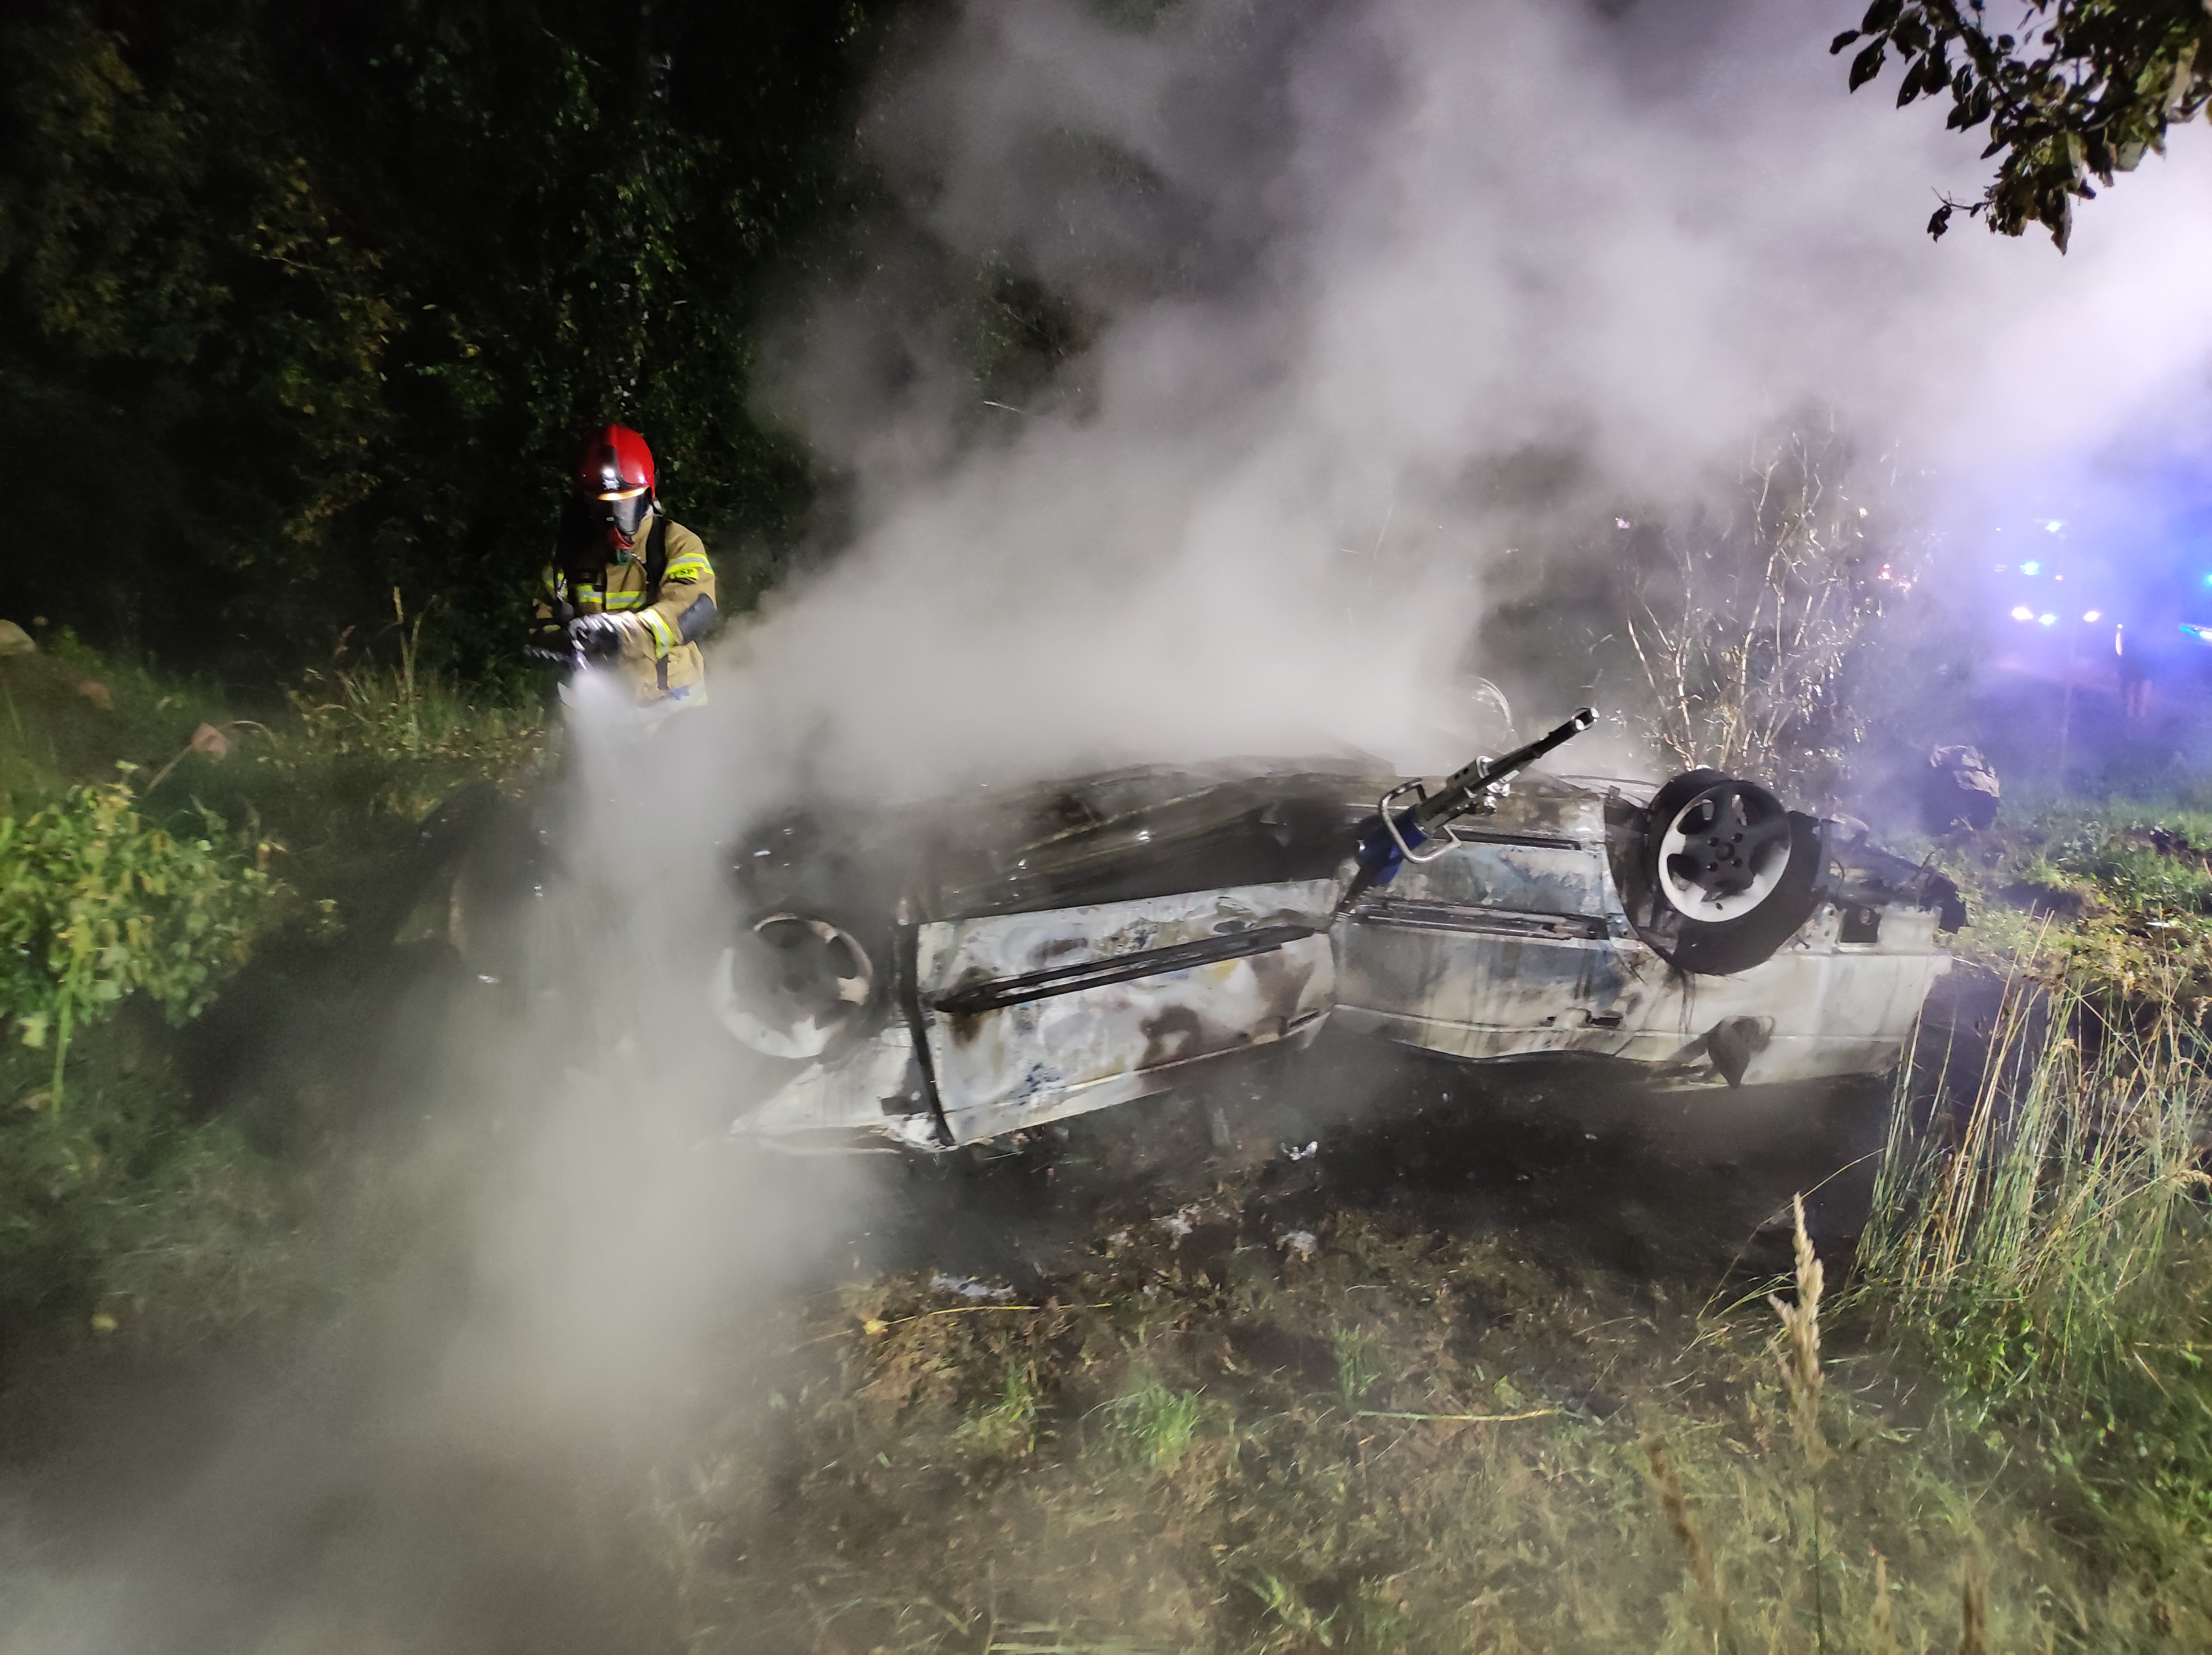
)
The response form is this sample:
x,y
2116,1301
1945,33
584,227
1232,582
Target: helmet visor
x,y
622,509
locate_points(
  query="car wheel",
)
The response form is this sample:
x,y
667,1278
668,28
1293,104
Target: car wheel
x,y
797,986
500,874
1717,873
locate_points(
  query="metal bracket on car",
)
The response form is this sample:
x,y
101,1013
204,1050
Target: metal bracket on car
x,y
1391,823
1459,834
995,994
1470,919
907,949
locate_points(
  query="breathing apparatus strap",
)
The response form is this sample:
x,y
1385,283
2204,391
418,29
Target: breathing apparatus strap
x,y
656,557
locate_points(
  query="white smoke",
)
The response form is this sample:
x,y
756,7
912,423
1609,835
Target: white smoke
x,y
1347,257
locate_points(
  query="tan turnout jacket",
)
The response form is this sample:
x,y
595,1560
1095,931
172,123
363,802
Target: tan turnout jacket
x,y
658,661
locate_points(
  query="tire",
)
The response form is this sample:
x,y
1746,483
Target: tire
x,y
805,977
799,986
498,881
1714,873
413,879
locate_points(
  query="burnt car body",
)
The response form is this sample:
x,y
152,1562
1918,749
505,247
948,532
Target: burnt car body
x,y
959,973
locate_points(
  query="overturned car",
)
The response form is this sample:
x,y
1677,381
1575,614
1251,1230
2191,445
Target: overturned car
x,y
963,971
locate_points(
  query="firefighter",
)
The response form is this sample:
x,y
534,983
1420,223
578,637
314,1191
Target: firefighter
x,y
627,587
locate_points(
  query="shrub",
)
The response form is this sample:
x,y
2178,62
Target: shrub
x,y
96,903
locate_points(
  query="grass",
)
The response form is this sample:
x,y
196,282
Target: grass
x,y
1359,1363
331,774
1149,1427
2049,1256
2115,892
143,1209
2072,1171
1204,1478
1006,1427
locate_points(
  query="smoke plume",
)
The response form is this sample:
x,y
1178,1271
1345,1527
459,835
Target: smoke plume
x,y
1371,296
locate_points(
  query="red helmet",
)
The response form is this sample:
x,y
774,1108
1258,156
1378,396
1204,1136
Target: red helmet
x,y
614,479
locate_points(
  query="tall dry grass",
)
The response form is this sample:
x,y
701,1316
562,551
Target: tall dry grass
x,y
2029,1229
1803,1378
406,709
2042,1247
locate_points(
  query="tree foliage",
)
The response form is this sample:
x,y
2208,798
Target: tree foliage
x,y
2081,89
302,302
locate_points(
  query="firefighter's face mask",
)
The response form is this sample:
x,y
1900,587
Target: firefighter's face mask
x,y
621,510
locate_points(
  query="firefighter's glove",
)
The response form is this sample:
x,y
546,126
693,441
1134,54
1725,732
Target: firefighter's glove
x,y
596,636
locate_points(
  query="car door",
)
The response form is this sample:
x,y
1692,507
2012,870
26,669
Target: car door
x,y
1505,944
1513,942
1028,1017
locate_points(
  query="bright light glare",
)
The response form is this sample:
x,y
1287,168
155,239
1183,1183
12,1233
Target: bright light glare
x,y
2048,620
2093,615
2023,612
2054,525
2037,568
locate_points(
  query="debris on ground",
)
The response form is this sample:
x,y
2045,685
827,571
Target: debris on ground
x,y
967,1287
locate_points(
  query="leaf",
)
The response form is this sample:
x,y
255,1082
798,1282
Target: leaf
x,y
1940,221
2057,216
1867,65
1842,40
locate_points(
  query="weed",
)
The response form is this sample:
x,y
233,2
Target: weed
x,y
204,1246
116,898
1973,1611
1007,1428
1358,1363
1801,1356
1802,1381
1149,1426
1712,1608
1220,1503
1881,1634
420,725
1285,1604
1048,1639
